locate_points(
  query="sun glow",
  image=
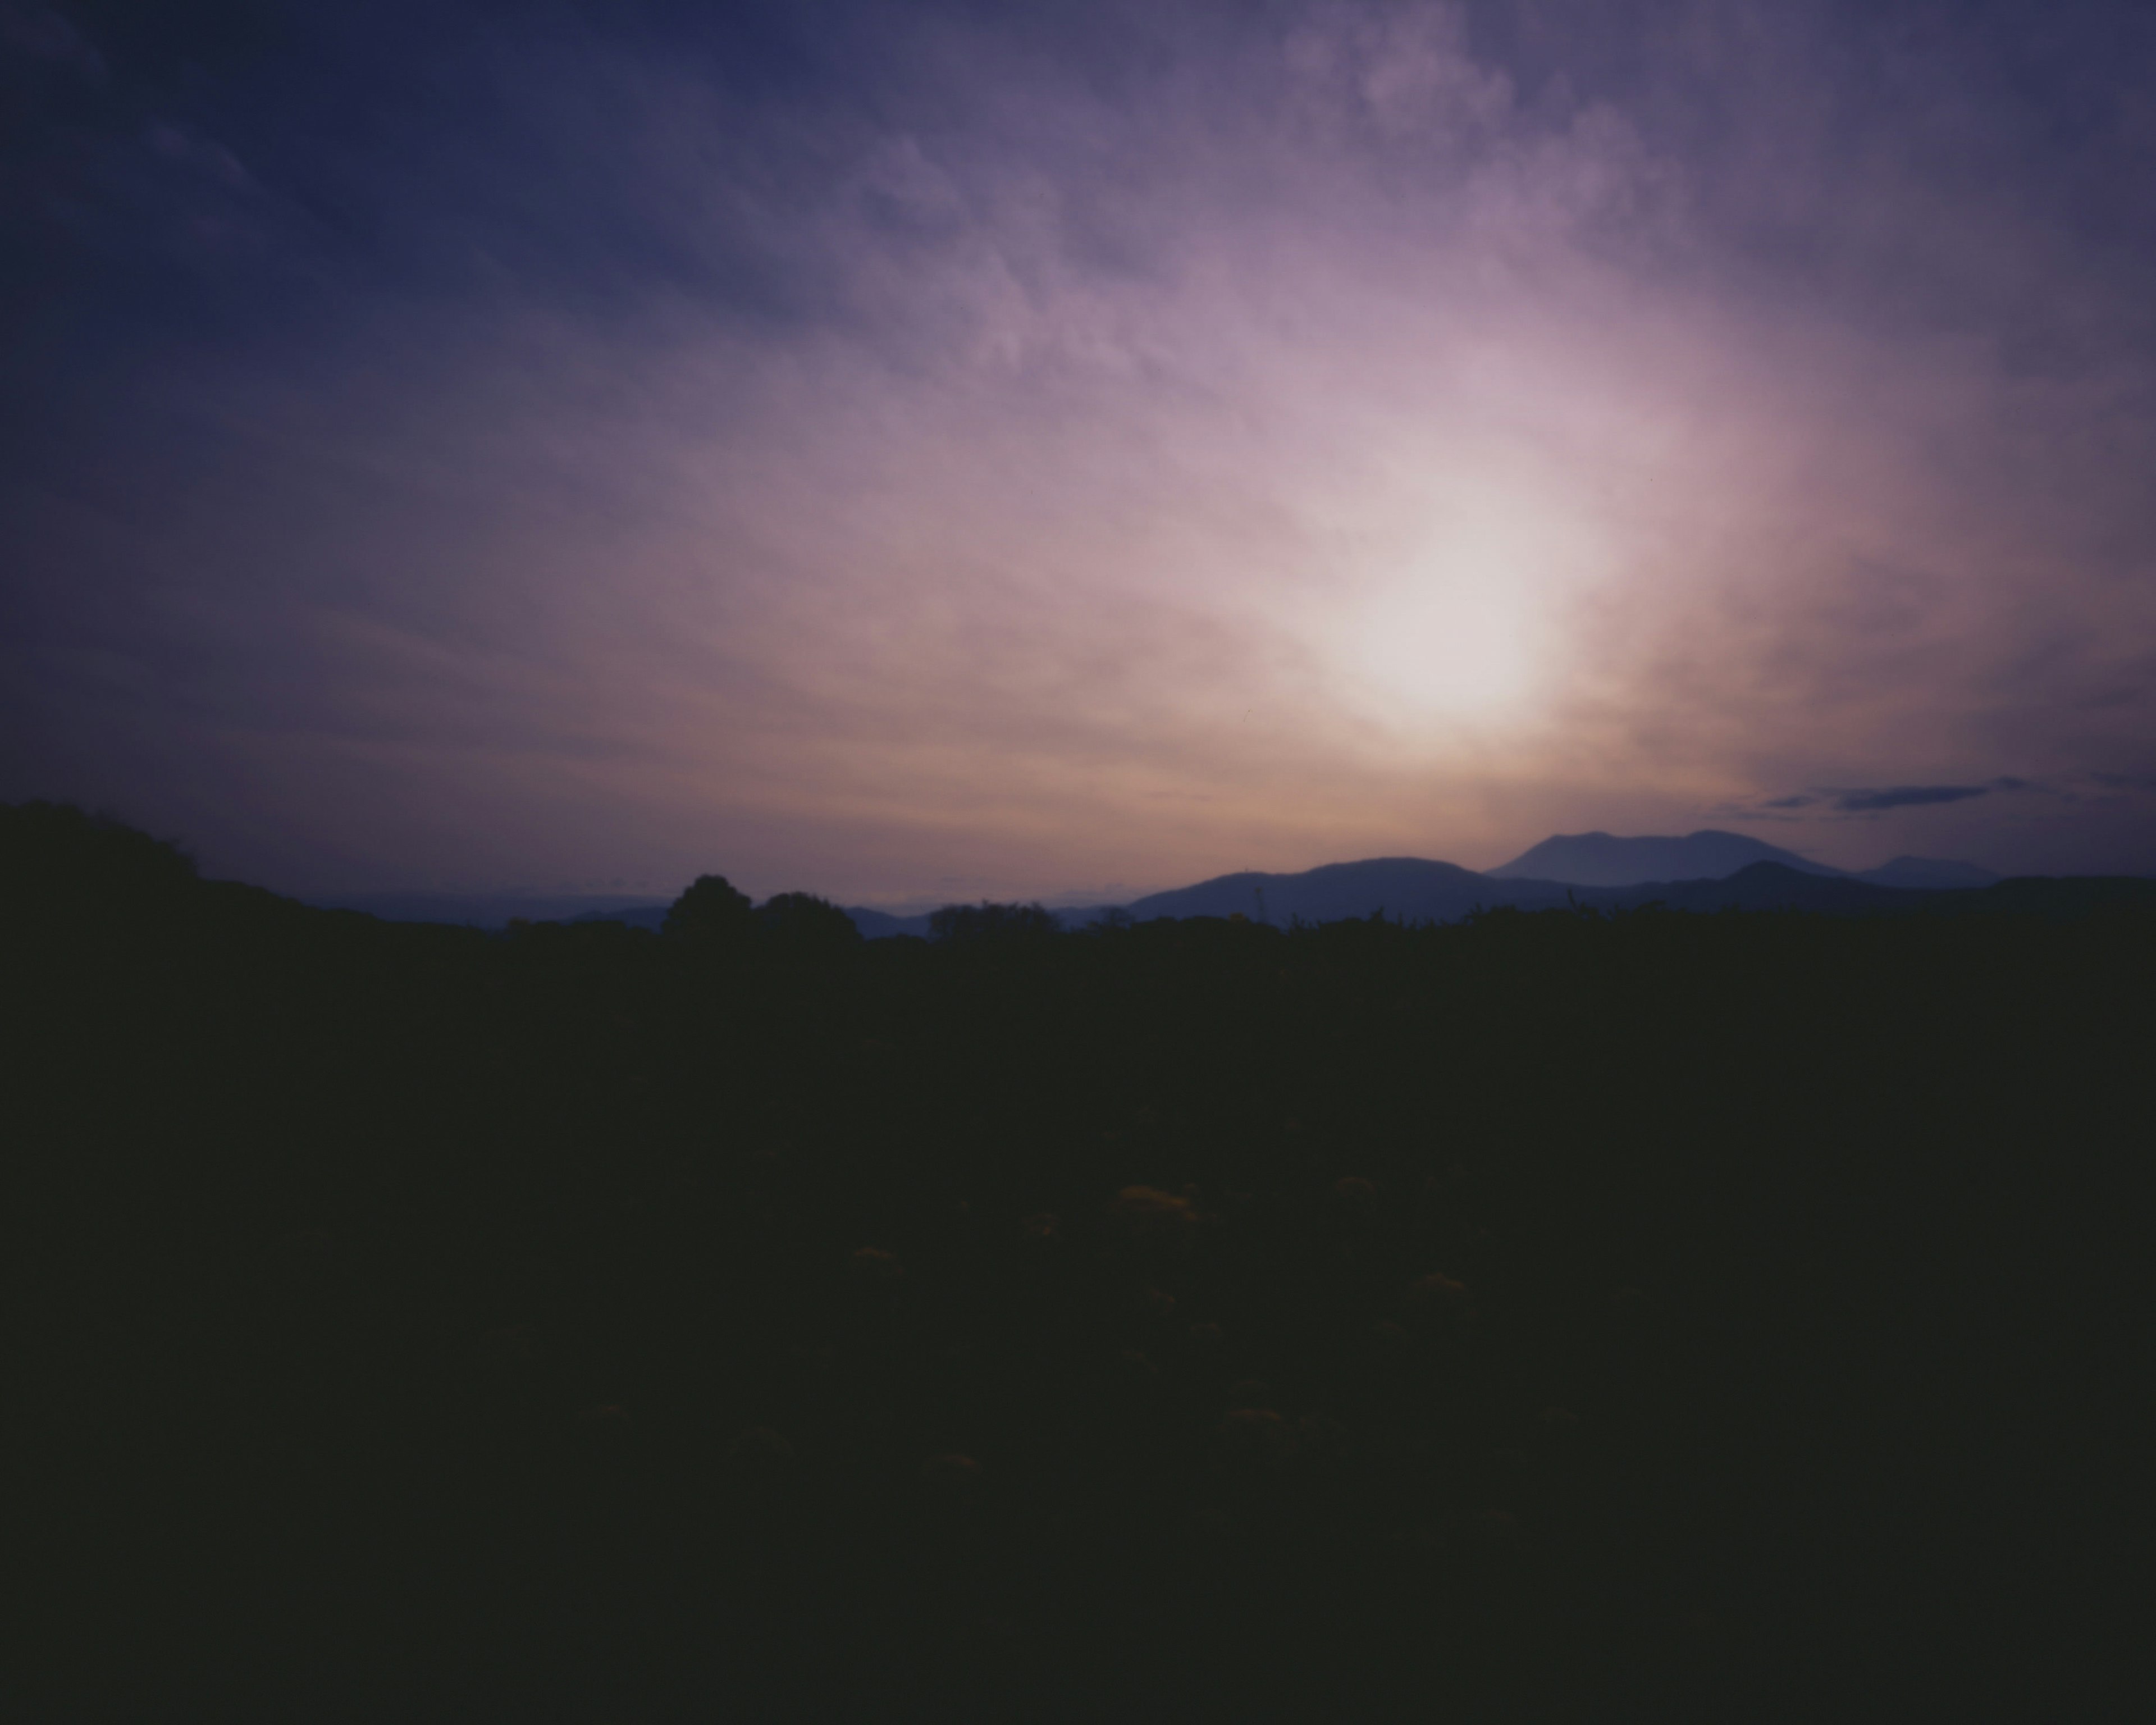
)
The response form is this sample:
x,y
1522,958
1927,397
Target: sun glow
x,y
1468,632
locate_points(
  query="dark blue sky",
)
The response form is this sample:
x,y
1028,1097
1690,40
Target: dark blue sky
x,y
949,449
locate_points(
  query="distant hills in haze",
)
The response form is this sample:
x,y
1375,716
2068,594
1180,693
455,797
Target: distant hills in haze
x,y
1702,870
1404,885
1600,859
1925,874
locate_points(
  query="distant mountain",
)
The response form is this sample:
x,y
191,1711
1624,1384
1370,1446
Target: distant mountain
x,y
1406,887
881,925
1728,869
2057,899
1925,874
1761,886
1412,890
650,917
1401,887
1599,859
1768,886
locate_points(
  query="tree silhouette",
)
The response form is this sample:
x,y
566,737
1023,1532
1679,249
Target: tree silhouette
x,y
711,911
801,921
991,921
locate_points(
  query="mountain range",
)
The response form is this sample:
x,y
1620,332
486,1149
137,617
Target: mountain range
x,y
1599,859
1704,869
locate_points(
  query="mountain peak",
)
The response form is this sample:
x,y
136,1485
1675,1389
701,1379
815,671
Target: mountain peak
x,y
1600,859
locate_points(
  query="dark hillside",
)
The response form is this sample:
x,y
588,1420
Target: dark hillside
x,y
1927,874
1406,888
1763,887
1605,1314
1599,859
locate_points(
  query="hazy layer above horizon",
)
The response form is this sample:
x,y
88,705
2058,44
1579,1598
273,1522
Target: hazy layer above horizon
x,y
1414,888
938,453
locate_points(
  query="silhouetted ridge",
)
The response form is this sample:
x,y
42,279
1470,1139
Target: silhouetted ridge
x,y
1760,886
1411,890
1923,873
1600,859
1404,888
55,855
883,925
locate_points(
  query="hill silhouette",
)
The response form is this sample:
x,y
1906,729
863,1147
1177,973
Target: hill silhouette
x,y
1927,874
1761,886
1769,886
882,925
1402,886
1600,859
1412,890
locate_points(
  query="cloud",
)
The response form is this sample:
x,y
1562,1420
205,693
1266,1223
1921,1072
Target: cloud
x,y
1910,796
1868,799
1101,442
1907,796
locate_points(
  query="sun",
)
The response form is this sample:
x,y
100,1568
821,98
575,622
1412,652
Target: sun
x,y
1427,648
1465,629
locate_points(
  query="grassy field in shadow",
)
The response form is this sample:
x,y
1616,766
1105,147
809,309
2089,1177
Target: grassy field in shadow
x,y
1591,1314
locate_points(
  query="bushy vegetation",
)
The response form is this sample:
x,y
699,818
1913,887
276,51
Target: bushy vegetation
x,y
1605,1314
988,920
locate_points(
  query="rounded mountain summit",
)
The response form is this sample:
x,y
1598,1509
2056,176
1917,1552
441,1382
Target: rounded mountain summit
x,y
1600,859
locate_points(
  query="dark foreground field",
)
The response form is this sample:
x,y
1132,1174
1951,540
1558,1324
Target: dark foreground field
x,y
1598,1317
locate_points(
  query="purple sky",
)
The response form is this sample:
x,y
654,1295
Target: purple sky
x,y
908,453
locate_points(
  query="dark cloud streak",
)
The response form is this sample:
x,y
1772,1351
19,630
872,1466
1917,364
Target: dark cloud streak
x,y
1907,796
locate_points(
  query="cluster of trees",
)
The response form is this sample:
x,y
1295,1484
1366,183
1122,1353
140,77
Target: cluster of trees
x,y
1653,1313
992,922
714,913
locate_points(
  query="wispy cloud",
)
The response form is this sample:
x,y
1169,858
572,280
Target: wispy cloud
x,y
1868,799
1125,443
1905,796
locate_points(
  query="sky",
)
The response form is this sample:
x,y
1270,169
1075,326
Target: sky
x,y
950,450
